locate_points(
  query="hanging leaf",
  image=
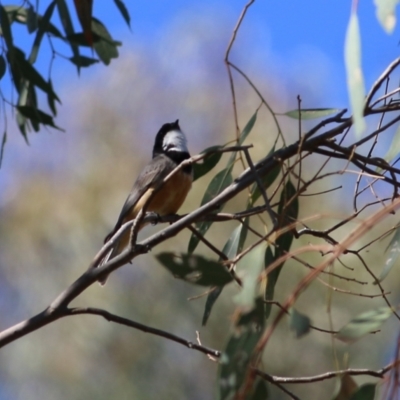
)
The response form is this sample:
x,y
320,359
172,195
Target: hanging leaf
x,y
299,323
271,280
6,32
355,80
31,20
312,113
252,264
36,115
288,213
124,11
207,163
260,390
394,148
195,269
3,145
367,322
248,128
106,47
386,14
84,11
365,392
3,66
220,181
43,27
232,247
20,14
238,354
67,25
29,72
394,252
267,180
83,61
347,388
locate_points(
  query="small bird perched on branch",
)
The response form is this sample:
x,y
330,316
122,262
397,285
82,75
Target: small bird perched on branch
x,y
170,149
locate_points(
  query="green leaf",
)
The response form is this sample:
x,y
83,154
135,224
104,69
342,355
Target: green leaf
x,y
248,128
220,181
36,115
238,354
195,269
347,388
82,61
271,280
365,392
43,27
106,47
355,80
386,14
20,14
235,242
260,390
252,264
232,247
367,322
67,24
394,148
394,252
212,297
31,74
21,122
32,20
266,180
311,113
6,31
124,11
207,163
3,145
79,39
287,213
299,323
3,66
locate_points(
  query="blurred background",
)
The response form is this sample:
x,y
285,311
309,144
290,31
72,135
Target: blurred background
x,y
62,194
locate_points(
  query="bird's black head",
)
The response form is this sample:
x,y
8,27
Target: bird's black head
x,y
170,138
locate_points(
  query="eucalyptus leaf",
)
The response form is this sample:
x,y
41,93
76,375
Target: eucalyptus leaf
x,y
220,181
124,11
105,47
366,322
195,269
83,61
6,30
386,14
311,113
37,115
67,25
2,66
43,27
207,163
355,80
394,148
236,358
394,252
365,392
232,247
299,323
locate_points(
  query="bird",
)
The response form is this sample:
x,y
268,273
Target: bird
x,y
169,150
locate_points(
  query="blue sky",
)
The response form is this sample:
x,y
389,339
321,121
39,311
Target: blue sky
x,y
284,26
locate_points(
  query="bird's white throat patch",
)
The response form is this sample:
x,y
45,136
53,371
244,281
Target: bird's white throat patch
x,y
175,141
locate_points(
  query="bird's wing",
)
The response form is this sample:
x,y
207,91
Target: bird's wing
x,y
151,176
